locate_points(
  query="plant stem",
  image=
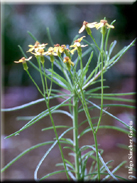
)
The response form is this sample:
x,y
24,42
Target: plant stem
x,y
94,41
97,157
50,114
75,135
55,131
42,80
101,110
91,126
34,83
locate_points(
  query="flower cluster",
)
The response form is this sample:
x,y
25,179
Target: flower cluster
x,y
38,50
102,24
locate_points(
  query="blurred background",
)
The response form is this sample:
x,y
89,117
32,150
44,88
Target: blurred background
x,y
64,22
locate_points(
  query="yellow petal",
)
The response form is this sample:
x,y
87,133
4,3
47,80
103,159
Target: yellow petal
x,y
91,25
72,51
99,25
17,62
31,49
30,45
72,46
72,63
84,45
28,58
109,26
82,29
80,39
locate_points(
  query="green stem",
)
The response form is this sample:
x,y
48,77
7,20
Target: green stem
x,y
82,97
55,131
101,110
34,83
51,81
46,84
92,128
81,67
52,121
42,80
94,41
75,135
97,157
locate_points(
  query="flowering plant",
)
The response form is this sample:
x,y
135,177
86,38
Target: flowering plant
x,y
76,81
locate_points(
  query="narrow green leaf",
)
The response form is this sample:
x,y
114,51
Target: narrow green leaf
x,y
112,45
48,151
68,140
88,154
111,98
49,36
24,152
114,59
24,105
67,147
87,64
70,164
101,159
88,92
92,46
38,117
89,77
33,37
36,102
22,51
53,173
59,79
117,94
113,171
110,115
107,36
92,166
51,127
71,175
103,169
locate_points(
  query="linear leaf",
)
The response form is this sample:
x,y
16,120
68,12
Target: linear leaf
x,y
24,152
112,98
110,115
51,127
37,118
113,171
33,37
45,155
33,102
53,173
101,159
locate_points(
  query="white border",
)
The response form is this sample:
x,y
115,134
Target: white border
x,y
69,1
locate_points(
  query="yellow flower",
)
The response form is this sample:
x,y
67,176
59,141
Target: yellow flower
x,y
36,46
87,25
77,45
23,60
51,51
39,52
68,61
59,49
103,23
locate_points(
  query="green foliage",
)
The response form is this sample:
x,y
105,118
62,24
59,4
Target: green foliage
x,y
75,80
